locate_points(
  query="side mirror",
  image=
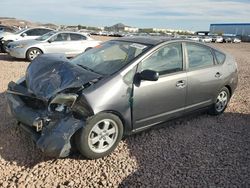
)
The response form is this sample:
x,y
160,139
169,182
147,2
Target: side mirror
x,y
23,34
49,41
149,75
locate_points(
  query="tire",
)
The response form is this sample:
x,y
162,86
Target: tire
x,y
32,53
94,141
221,102
87,49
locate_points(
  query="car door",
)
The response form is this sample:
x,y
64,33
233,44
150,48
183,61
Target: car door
x,y
157,101
58,44
76,44
204,77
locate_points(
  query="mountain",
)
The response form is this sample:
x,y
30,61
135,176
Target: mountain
x,y
13,22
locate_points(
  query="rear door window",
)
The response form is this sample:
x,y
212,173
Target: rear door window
x,y
33,32
43,31
61,37
199,56
220,57
76,37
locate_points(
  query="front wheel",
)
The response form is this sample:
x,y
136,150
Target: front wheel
x,y
32,53
100,136
221,102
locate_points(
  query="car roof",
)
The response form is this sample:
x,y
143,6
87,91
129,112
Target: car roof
x,y
70,32
148,40
38,28
155,40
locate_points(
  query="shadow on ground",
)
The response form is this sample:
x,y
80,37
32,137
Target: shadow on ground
x,y
195,152
6,57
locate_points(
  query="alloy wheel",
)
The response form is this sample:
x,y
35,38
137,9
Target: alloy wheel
x,y
221,101
103,135
34,53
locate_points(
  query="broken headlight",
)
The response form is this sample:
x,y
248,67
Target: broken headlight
x,y
63,102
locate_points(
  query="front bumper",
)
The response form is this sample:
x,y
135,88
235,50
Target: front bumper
x,y
54,137
17,52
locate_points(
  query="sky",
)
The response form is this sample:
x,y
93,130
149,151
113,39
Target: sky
x,y
178,14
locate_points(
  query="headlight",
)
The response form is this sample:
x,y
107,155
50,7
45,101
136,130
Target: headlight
x,y
62,101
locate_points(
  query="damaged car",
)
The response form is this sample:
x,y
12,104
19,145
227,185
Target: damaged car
x,y
120,87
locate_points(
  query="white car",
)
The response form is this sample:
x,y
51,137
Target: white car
x,y
194,38
31,33
236,40
206,39
219,39
69,43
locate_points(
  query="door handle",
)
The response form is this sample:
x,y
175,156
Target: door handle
x,y
181,84
218,75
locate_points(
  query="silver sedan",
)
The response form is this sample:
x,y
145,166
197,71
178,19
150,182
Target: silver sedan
x,y
69,43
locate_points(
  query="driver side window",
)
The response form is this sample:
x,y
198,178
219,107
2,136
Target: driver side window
x,y
167,59
61,37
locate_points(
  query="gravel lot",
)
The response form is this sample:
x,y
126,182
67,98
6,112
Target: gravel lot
x,y
196,151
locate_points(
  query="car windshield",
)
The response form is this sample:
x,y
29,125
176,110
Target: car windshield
x,y
109,57
46,36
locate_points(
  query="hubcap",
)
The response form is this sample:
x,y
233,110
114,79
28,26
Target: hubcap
x,y
33,54
103,136
221,101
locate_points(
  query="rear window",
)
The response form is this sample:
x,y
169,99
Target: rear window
x,y
77,37
220,57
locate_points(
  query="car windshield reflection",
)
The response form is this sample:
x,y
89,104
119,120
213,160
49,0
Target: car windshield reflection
x,y
109,57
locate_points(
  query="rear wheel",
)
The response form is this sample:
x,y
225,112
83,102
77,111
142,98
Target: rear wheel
x,y
32,53
89,48
221,102
100,136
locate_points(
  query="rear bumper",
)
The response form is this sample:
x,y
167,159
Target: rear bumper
x,y
54,137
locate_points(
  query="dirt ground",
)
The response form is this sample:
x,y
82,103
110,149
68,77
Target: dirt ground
x,y
201,151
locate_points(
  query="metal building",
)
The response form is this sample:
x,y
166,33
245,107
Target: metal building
x,y
241,30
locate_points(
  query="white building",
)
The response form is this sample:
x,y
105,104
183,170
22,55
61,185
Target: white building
x,y
170,30
131,29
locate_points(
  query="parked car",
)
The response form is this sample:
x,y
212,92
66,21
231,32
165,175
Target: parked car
x,y
194,38
206,39
236,40
219,39
227,40
69,43
5,31
121,87
214,37
24,34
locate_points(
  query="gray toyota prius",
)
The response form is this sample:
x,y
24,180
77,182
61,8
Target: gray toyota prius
x,y
120,87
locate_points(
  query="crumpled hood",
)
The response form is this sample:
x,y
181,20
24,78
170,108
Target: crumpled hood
x,y
49,74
